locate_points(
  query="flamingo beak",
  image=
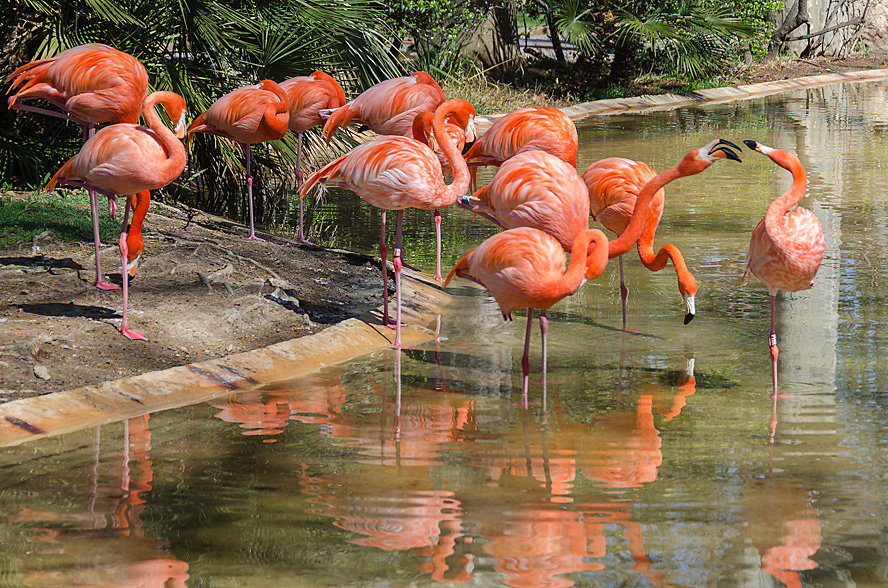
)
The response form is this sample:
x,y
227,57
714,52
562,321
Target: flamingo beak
x,y
756,146
132,266
723,146
691,307
180,126
471,135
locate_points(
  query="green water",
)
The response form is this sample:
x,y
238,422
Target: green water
x,y
632,473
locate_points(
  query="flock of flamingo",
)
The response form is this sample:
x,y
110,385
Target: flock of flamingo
x,y
536,196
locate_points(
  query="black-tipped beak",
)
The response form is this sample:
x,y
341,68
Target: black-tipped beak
x,y
467,146
728,143
689,317
751,144
728,153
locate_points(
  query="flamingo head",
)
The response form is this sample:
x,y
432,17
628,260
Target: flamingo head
x,y
275,88
756,146
699,159
176,110
135,247
462,113
340,93
687,286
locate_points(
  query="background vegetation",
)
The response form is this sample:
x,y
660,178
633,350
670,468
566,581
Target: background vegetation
x,y
204,48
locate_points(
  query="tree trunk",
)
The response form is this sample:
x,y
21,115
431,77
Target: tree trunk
x,y
553,31
625,63
797,16
505,21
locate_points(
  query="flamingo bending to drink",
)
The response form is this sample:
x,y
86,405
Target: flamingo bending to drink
x,y
131,159
93,84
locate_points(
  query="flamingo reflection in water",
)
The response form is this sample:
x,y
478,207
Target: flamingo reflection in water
x,y
316,399
105,544
783,526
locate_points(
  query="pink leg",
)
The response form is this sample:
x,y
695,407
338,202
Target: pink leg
x,y
772,344
438,245
89,130
127,332
396,261
249,154
383,255
28,107
624,292
544,332
525,359
300,237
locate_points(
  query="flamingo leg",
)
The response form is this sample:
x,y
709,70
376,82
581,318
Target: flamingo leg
x,y
383,254
127,332
438,245
624,292
396,261
28,107
525,359
248,152
89,129
544,332
300,237
772,344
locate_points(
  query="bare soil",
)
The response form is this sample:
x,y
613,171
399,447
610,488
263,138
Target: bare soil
x,y
202,290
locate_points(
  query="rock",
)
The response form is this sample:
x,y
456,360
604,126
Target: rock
x,y
41,372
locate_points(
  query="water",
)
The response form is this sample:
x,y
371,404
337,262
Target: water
x,y
635,474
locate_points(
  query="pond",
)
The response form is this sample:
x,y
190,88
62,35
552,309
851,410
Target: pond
x,y
647,462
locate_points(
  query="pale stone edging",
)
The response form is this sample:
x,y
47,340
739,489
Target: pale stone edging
x,y
710,96
61,412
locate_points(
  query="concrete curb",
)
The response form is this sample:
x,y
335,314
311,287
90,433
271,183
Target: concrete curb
x,y
710,96
61,412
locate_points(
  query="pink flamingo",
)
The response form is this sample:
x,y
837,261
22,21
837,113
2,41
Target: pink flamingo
x,y
394,173
389,107
308,95
787,245
422,131
247,115
535,189
539,128
524,267
613,185
93,84
130,159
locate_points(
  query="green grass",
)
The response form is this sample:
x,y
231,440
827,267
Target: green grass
x,y
64,214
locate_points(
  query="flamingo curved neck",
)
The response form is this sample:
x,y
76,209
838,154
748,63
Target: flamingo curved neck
x,y
272,119
460,182
134,233
175,161
633,230
587,260
774,218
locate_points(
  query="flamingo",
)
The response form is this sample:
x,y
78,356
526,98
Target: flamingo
x,y
307,95
613,185
422,131
515,264
524,268
389,107
787,245
535,189
93,84
247,115
394,173
540,128
130,159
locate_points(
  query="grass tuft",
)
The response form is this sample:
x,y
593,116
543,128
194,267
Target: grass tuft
x,y
64,214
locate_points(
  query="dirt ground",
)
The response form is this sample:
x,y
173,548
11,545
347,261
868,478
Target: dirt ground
x,y
202,290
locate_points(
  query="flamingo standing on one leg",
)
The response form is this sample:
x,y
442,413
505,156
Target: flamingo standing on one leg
x,y
787,245
494,264
247,115
422,131
535,189
394,173
93,84
540,128
308,95
389,107
524,268
131,159
613,185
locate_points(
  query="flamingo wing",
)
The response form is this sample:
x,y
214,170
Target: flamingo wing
x,y
309,94
533,128
614,184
